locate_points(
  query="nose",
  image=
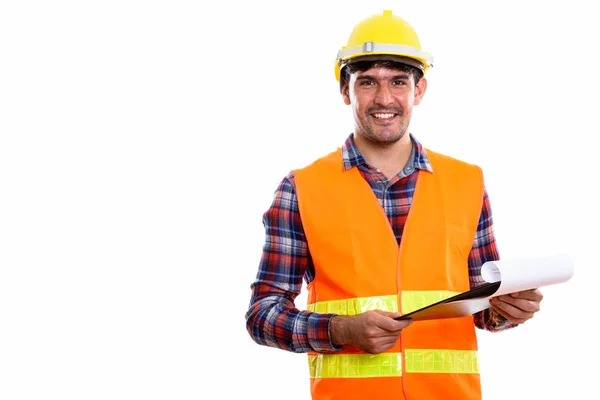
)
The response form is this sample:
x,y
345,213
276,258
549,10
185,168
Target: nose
x,y
383,96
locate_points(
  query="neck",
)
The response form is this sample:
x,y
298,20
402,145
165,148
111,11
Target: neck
x,y
390,159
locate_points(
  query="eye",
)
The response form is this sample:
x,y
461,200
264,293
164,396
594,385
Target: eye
x,y
399,82
366,82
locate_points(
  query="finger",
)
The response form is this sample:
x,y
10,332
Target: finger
x,y
391,325
388,334
383,345
378,349
385,339
513,314
533,294
522,304
506,315
390,314
379,344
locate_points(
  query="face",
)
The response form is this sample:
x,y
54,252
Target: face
x,y
382,100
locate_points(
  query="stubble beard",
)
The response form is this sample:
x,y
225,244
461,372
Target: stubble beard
x,y
379,140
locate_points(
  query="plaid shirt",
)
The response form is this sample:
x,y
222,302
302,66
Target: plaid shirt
x,y
273,319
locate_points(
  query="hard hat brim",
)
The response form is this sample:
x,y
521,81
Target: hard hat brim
x,y
386,57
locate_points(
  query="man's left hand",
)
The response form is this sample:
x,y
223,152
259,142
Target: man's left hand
x,y
518,307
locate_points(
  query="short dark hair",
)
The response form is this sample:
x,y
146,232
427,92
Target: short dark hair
x,y
362,66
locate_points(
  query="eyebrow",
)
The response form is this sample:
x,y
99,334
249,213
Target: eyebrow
x,y
373,78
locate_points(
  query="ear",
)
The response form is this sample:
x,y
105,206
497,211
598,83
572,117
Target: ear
x,y
345,91
420,89
346,96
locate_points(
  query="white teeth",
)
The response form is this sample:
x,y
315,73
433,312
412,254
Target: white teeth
x,y
390,115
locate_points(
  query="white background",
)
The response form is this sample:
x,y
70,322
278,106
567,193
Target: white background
x,y
140,143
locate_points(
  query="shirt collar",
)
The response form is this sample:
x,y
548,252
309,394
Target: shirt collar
x,y
352,157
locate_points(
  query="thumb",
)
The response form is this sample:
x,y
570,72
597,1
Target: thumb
x,y
390,314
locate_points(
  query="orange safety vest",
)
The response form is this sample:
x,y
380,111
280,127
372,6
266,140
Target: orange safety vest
x,y
359,267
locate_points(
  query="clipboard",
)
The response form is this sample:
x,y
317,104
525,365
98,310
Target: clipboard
x,y
460,305
500,277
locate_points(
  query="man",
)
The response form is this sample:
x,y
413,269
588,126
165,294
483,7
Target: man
x,y
378,228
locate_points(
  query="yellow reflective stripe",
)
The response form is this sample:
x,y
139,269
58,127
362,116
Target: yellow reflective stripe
x,y
390,364
411,300
356,306
355,365
414,299
442,361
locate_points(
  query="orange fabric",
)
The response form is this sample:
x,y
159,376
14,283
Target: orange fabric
x,y
356,254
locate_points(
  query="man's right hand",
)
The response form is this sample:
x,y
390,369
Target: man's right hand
x,y
372,331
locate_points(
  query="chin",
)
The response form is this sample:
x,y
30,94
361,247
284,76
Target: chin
x,y
390,137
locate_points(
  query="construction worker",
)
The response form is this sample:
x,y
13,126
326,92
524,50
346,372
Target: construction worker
x,y
378,228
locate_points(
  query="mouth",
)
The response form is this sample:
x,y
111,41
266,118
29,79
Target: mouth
x,y
383,117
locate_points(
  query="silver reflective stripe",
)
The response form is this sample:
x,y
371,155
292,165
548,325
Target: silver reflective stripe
x,y
384,48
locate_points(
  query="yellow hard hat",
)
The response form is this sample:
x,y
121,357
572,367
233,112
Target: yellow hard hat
x,y
383,35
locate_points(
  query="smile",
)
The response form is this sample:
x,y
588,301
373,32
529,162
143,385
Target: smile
x,y
383,116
